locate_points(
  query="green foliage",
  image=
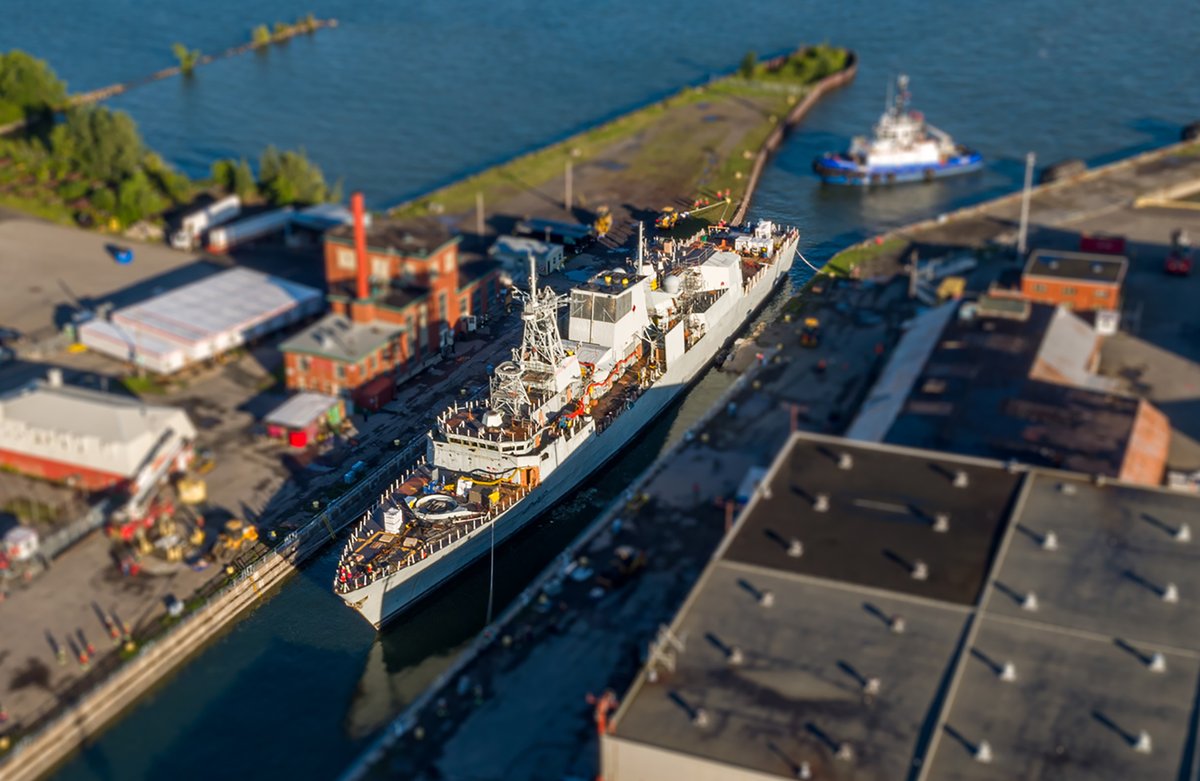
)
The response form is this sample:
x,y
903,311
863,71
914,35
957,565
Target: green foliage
x,y
748,66
102,144
103,200
187,58
242,182
290,177
137,199
27,87
308,23
221,173
174,185
261,36
73,190
281,30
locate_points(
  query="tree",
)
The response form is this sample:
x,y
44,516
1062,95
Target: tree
x,y
188,58
268,164
749,65
103,144
242,181
221,173
137,199
172,184
28,87
261,36
291,177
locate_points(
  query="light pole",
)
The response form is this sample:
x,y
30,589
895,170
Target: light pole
x,y
1024,230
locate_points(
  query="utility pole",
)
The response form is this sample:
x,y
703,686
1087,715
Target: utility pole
x,y
479,212
567,195
1024,230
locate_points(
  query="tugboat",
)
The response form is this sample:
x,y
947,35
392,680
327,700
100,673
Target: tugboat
x,y
905,148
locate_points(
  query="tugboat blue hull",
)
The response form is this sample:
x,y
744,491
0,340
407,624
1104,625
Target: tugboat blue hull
x,y
836,169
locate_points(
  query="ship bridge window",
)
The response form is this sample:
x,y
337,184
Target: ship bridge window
x,y
581,305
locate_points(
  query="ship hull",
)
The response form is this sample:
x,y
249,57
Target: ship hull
x,y
835,169
389,596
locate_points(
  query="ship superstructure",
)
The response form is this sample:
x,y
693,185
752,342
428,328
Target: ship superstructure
x,y
905,148
561,407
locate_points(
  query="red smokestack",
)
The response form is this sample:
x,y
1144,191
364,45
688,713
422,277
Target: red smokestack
x,y
362,288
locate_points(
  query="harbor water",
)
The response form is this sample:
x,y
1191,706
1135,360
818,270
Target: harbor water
x,y
402,97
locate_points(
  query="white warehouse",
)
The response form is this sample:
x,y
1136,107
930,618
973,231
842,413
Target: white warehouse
x,y
201,320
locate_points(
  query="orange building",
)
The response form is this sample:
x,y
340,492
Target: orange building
x,y
398,294
1079,280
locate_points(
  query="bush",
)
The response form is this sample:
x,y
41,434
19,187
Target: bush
x,y
748,66
28,87
261,36
73,191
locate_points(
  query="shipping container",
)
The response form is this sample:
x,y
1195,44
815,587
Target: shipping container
x,y
1102,243
226,237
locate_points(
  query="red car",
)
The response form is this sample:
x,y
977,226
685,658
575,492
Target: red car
x,y
1178,264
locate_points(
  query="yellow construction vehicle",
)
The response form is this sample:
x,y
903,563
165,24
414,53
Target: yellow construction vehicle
x,y
667,219
604,221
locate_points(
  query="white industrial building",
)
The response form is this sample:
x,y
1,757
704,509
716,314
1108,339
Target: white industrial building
x,y
201,320
514,253
92,439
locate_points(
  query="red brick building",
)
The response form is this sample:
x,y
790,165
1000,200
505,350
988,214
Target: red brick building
x,y
398,294
1079,280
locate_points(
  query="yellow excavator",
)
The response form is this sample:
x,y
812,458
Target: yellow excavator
x,y
670,215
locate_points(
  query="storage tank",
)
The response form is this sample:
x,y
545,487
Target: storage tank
x,y
672,284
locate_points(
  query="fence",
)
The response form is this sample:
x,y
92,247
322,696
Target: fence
x,y
115,685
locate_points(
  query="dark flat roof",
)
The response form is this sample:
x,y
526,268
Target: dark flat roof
x,y
880,519
1082,266
475,270
417,237
1083,689
975,395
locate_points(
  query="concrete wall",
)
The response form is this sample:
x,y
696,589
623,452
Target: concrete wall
x,y
1080,295
626,760
818,91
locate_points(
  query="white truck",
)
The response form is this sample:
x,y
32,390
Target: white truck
x,y
193,225
226,237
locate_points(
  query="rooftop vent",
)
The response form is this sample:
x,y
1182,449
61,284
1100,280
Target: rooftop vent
x,y
941,523
845,461
1157,663
700,717
845,752
1097,268
804,771
1029,602
920,570
1183,533
983,752
1099,480
821,503
735,657
871,686
54,378
1008,672
1143,744
1066,489
897,625
795,548
1050,541
1170,594
766,599
1004,308
961,480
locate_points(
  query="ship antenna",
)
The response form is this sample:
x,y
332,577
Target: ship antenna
x,y
641,256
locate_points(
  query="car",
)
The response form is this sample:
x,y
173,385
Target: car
x,y
1178,264
122,255
8,334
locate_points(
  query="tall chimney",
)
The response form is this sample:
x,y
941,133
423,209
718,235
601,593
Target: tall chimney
x,y
362,288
